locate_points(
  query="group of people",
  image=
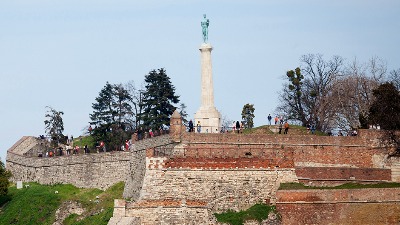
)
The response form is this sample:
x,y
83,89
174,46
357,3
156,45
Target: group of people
x,y
280,122
142,134
60,151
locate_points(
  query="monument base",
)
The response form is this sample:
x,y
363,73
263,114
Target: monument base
x,y
210,120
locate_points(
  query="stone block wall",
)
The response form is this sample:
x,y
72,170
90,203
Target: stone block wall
x,y
350,206
89,171
343,174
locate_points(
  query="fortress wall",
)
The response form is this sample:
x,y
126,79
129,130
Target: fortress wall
x,y
219,189
89,171
349,206
345,174
278,150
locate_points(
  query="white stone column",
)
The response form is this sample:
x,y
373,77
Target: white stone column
x,y
208,115
207,87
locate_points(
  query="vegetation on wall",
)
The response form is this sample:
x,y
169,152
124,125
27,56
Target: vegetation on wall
x,y
257,212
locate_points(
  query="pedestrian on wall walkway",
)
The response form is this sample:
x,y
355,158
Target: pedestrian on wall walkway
x,y
280,128
286,126
198,127
276,119
269,119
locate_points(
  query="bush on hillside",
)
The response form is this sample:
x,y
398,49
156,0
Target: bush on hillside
x,y
4,182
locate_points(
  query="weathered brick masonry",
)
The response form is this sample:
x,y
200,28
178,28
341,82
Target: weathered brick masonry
x,y
206,173
350,206
183,178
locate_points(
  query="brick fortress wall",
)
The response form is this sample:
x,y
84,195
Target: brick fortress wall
x,y
350,206
216,172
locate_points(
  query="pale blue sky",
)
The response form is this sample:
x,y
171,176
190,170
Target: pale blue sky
x,y
61,53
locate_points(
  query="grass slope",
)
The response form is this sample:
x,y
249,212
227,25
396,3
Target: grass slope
x,y
37,204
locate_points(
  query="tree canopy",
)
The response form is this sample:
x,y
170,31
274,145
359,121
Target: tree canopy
x,y
54,125
4,182
385,110
248,115
112,115
158,100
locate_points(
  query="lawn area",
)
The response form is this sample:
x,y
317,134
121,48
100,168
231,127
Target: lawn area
x,y
37,204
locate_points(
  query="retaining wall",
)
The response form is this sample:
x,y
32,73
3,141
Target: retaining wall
x,y
97,170
349,206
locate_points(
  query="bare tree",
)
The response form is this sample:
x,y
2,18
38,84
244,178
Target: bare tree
x,y
394,77
137,100
352,93
320,76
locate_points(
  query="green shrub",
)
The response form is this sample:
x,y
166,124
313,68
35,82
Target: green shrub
x,y
257,212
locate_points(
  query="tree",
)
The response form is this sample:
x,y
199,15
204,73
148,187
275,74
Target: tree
x,y
384,112
137,101
248,115
103,114
182,111
394,77
306,97
54,125
158,99
352,93
112,115
4,182
292,97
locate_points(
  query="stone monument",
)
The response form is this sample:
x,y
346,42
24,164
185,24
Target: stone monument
x,y
207,118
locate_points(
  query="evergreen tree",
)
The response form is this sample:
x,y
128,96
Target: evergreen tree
x,y
103,114
386,107
112,116
54,125
4,182
384,112
182,111
158,99
248,115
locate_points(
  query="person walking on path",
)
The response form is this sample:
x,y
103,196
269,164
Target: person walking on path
x,y
276,120
237,126
280,128
190,126
313,129
286,126
269,118
198,127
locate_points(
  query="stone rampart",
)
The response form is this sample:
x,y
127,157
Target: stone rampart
x,y
98,170
349,206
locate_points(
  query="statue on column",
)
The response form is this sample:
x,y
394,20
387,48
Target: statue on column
x,y
204,26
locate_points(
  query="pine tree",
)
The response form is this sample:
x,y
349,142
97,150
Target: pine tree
x,y
54,125
248,115
158,99
112,116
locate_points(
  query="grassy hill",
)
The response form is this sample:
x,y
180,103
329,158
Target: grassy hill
x,y
273,129
40,204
